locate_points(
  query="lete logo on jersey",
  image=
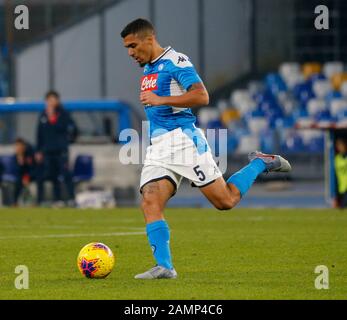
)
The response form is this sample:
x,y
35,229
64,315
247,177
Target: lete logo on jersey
x,y
149,82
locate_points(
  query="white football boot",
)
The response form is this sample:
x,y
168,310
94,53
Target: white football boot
x,y
158,272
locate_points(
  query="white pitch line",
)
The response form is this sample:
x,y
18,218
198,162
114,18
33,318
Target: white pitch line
x,y
74,235
61,227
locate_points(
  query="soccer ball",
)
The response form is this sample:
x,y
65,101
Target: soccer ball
x,y
95,260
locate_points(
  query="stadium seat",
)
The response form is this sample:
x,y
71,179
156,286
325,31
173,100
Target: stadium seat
x,y
333,95
289,68
337,80
316,144
321,88
214,124
83,168
343,89
324,118
222,105
310,68
265,96
341,119
309,134
248,143
315,105
257,124
293,143
303,92
267,141
316,77
254,87
232,142
294,79
246,106
207,114
338,105
284,123
9,168
331,68
229,115
275,83
238,96
287,102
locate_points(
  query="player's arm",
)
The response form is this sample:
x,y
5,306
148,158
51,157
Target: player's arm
x,y
196,95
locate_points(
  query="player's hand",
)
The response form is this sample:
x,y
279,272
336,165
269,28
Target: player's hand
x,y
335,203
150,98
39,157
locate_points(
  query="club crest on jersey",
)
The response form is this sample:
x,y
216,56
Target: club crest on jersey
x,y
149,82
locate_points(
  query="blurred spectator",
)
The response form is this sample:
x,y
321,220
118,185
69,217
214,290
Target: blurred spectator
x,y
56,130
25,167
341,173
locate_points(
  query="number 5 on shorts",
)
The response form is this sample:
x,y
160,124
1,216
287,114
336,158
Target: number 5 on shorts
x,y
199,173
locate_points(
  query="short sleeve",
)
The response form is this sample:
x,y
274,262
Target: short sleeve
x,y
184,72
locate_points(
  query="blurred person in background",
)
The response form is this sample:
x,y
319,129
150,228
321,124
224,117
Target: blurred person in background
x,y
25,168
341,173
56,130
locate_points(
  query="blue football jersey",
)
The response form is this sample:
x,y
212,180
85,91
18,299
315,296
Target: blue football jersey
x,y
170,74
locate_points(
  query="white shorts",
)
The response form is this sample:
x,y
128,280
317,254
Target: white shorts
x,y
180,154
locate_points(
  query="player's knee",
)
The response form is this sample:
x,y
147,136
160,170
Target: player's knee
x,y
150,205
225,204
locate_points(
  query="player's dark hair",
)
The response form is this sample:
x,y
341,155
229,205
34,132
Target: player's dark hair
x,y
20,140
52,93
342,140
137,26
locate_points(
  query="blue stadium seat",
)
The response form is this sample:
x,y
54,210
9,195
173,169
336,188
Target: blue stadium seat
x,y
284,123
293,144
323,115
316,144
316,76
341,115
333,95
232,143
214,124
83,168
267,141
9,168
275,83
303,92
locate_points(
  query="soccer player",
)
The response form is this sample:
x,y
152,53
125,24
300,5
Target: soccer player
x,y
169,88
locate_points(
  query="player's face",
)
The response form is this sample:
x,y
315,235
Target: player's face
x,y
19,148
52,103
341,146
139,48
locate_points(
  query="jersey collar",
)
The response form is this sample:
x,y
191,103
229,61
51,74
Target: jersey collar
x,y
167,49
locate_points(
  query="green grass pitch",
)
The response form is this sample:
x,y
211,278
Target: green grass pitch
x,y
239,254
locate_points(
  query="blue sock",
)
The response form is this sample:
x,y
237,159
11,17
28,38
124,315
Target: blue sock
x,y
158,235
244,178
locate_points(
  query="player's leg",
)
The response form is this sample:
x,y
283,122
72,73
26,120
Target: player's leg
x,y
225,195
67,176
55,175
41,175
155,195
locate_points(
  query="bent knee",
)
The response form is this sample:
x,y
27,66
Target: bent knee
x,y
151,206
225,204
